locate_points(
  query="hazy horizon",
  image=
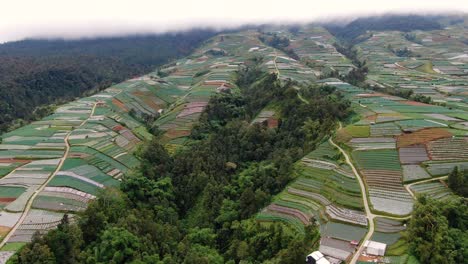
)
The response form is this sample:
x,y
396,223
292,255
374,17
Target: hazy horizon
x,y
87,19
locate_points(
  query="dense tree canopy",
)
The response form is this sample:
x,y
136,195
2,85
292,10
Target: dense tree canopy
x,y
197,205
37,73
438,231
355,31
458,181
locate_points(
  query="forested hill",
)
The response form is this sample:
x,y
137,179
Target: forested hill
x,y
403,23
36,73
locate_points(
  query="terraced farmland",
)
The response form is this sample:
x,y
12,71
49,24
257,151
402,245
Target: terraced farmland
x,y
62,162
436,189
423,139
326,193
382,159
372,143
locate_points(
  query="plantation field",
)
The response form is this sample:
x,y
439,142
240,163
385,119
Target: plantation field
x,y
413,173
343,231
391,140
325,193
434,189
358,131
444,168
381,159
65,181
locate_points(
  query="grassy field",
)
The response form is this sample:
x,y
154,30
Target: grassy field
x,y
13,246
358,131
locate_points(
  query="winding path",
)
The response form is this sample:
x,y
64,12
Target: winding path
x,y
369,214
408,186
31,199
276,66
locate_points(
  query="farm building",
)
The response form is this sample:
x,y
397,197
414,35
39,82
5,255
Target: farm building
x,y
316,257
375,248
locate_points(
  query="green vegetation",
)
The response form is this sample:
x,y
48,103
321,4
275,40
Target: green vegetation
x,y
10,191
66,181
14,246
336,187
326,151
438,231
198,204
237,167
458,181
355,31
426,68
382,159
280,43
37,73
358,131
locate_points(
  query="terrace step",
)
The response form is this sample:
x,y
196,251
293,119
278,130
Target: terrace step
x,y
319,164
346,215
304,218
314,196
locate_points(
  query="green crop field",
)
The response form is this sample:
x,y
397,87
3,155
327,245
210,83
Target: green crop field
x,y
10,191
66,181
343,231
358,131
324,151
381,159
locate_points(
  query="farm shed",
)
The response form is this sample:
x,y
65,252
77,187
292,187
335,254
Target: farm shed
x,y
316,257
375,248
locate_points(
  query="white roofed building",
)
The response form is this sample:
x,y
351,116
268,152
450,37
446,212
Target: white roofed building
x,y
316,257
375,248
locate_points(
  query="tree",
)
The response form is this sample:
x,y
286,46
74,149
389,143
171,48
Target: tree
x,y
107,208
157,163
199,254
36,253
458,181
437,231
117,245
197,205
429,232
65,241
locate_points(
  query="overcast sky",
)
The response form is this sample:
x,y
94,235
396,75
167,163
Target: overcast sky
x,y
87,18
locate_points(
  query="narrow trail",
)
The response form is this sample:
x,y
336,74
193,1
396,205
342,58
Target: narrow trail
x,y
276,66
408,186
302,98
36,193
369,214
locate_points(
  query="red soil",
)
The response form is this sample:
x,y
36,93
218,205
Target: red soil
x,y
12,160
4,230
7,199
272,122
129,135
119,104
118,128
369,258
217,83
422,136
414,103
173,133
148,99
371,118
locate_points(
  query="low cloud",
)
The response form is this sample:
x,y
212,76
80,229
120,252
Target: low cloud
x,y
21,19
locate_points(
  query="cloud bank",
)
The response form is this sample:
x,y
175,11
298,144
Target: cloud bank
x,y
21,19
